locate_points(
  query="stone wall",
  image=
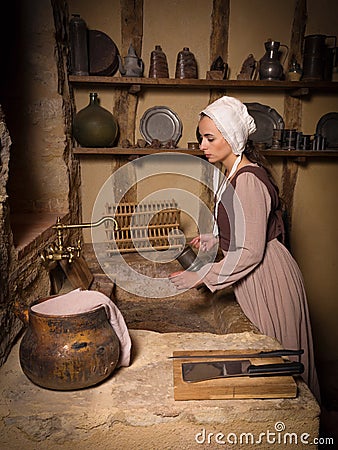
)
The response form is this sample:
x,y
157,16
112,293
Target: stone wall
x,y
9,326
38,172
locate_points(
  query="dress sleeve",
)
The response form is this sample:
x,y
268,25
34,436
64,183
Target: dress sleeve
x,y
252,205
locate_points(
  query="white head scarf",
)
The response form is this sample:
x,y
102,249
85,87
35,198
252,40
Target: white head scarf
x,y
232,119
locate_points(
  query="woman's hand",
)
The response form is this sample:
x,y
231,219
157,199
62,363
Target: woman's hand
x,y
185,279
204,242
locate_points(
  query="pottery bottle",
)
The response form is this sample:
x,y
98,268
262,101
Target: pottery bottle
x,y
186,66
158,64
295,71
78,36
95,126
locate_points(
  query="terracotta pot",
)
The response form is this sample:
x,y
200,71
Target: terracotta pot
x,y
68,352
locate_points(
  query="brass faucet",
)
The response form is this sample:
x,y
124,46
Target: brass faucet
x,y
58,251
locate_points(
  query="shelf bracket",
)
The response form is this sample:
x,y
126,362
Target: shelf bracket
x,y
301,92
134,89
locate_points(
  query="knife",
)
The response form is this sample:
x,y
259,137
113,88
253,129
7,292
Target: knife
x,y
201,371
268,354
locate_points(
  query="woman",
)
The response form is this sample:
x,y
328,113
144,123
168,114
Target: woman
x,y
265,278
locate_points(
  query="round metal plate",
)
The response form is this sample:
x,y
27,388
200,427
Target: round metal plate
x,y
327,127
161,123
267,119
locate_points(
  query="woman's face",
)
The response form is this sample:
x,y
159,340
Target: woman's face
x,y
215,147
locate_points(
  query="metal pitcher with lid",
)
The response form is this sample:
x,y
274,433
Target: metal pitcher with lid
x,y
270,67
133,65
318,57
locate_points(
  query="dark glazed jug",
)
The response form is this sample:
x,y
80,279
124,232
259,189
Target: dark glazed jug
x,y
69,352
270,67
186,66
158,64
95,126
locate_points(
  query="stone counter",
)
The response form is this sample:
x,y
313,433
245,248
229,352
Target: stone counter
x,y
135,408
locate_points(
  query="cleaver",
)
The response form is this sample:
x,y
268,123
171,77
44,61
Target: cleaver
x,y
201,371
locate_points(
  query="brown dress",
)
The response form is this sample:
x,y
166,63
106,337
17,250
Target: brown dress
x,y
267,282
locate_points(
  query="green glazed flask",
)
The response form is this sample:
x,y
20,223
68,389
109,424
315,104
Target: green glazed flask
x,y
95,126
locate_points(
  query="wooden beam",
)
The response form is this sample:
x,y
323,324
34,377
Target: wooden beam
x,y
131,25
293,110
219,37
131,34
218,47
125,101
219,30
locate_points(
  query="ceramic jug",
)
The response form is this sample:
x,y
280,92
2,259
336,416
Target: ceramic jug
x,y
270,67
133,65
158,64
67,352
186,65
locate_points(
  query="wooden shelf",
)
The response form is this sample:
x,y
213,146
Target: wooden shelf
x,y
302,87
131,151
302,153
150,151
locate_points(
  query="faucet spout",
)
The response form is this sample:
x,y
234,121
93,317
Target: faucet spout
x,y
60,225
59,251
102,220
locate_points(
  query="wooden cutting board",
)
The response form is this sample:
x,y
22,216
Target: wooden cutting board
x,y
231,388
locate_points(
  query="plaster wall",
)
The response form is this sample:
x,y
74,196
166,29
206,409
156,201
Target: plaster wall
x,y
175,24
314,236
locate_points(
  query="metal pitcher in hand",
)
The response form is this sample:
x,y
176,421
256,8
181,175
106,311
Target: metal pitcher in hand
x,y
270,67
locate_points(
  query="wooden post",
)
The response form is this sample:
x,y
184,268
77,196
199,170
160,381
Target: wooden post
x,y
125,101
218,47
293,111
131,33
219,37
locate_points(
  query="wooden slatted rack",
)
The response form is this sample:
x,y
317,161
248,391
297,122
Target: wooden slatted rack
x,y
143,227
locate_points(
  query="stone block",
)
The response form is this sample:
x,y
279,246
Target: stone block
x,y
135,408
